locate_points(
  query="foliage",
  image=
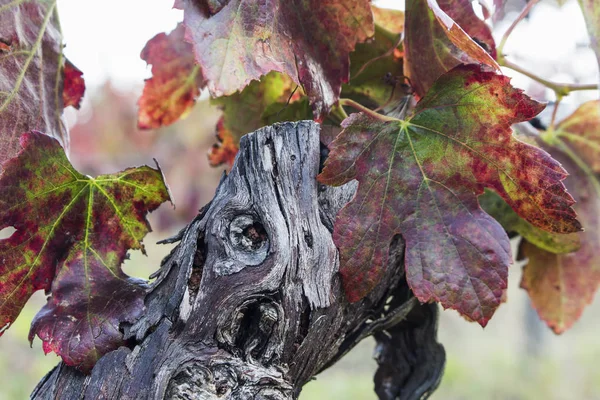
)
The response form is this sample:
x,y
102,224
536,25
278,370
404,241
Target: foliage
x,y
420,177
434,129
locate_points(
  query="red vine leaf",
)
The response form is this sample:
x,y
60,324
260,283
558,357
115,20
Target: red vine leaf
x,y
236,42
226,148
74,86
176,81
72,234
30,65
562,285
421,178
434,43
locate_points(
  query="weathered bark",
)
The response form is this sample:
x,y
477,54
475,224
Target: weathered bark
x,y
249,304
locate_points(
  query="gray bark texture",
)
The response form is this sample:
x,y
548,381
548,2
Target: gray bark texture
x,y
249,304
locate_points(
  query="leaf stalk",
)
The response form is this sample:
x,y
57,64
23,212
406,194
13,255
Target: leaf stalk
x,y
368,111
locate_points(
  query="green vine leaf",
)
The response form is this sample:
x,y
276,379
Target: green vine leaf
x,y
236,42
31,67
72,234
421,177
274,98
562,285
435,43
376,67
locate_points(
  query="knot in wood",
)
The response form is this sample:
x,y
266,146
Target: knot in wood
x,y
248,235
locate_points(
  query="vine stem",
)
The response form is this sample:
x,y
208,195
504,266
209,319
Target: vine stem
x,y
561,89
368,111
554,111
523,14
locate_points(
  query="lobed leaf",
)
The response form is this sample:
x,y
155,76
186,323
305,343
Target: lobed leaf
x,y
72,234
435,43
421,178
176,80
562,285
31,66
236,42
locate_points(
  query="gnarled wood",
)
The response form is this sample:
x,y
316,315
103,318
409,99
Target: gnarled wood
x,y
249,305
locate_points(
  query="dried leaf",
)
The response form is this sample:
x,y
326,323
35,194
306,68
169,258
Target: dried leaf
x,y
236,42
421,178
72,234
435,43
176,81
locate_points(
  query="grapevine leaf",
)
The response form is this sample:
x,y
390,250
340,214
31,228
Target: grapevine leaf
x,y
243,111
462,12
31,81
435,44
237,41
72,234
74,86
562,285
376,67
390,20
283,111
591,13
511,222
273,99
421,177
581,131
226,148
176,81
